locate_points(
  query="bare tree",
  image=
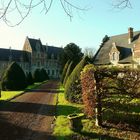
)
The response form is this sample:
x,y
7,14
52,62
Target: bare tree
x,y
22,8
90,52
122,4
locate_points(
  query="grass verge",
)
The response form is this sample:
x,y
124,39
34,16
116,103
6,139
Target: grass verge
x,y
7,95
64,108
117,126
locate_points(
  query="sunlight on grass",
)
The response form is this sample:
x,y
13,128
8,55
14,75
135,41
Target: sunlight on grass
x,y
64,108
6,95
9,94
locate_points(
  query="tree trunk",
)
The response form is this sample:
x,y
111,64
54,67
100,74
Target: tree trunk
x,y
98,111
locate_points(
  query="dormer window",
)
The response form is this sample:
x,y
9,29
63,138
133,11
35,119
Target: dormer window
x,y
115,56
114,53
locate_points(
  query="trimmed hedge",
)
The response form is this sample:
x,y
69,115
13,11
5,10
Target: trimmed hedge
x,y
69,70
88,83
73,90
13,78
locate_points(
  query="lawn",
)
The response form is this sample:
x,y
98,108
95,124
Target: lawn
x,y
64,108
121,121
7,95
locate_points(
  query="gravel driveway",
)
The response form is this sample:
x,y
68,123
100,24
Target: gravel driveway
x,y
31,115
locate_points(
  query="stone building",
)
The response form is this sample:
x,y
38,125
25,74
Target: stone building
x,y
34,55
120,50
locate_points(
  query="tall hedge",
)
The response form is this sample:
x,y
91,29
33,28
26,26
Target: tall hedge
x,y
14,78
88,83
30,79
64,71
40,75
73,90
44,75
69,70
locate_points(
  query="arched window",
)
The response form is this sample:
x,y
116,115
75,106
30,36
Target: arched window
x,y
115,56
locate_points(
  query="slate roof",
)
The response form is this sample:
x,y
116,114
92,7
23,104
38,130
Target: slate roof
x,y
33,43
102,55
15,55
51,50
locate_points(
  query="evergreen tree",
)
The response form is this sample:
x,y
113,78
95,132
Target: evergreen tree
x,y
36,75
43,75
73,90
14,78
69,70
64,71
30,80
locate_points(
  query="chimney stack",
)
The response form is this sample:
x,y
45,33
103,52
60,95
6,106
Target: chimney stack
x,y
130,35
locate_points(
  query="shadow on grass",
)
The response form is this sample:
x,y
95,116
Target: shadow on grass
x,y
66,110
46,109
96,136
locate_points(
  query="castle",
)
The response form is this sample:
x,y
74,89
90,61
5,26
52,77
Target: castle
x,y
34,56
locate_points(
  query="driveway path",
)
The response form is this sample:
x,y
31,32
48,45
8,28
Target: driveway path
x,y
29,116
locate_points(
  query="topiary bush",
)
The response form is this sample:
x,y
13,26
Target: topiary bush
x,y
43,75
88,83
64,71
73,90
36,75
30,79
13,78
69,70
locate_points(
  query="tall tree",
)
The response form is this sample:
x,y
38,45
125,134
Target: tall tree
x,y
71,52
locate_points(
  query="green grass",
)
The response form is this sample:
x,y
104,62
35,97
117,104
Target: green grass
x,y
7,95
126,111
64,108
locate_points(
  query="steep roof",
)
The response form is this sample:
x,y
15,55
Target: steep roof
x,y
33,43
55,51
16,55
102,55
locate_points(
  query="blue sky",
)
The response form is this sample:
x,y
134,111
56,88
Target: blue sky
x,y
86,28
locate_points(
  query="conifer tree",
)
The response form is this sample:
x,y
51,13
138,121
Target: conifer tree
x,y
73,90
14,78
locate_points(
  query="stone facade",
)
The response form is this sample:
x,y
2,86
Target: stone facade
x,y
33,56
120,50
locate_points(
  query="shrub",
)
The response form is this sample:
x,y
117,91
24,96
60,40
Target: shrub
x,y
30,80
36,75
73,87
64,71
88,89
14,78
43,75
69,70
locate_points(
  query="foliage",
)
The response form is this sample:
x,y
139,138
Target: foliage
x,y
73,90
64,71
13,78
40,75
71,52
36,75
43,75
64,108
88,89
69,70
30,80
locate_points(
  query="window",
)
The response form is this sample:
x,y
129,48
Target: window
x,y
48,72
115,56
52,72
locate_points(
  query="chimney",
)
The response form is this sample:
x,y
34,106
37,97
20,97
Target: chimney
x,y
130,35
